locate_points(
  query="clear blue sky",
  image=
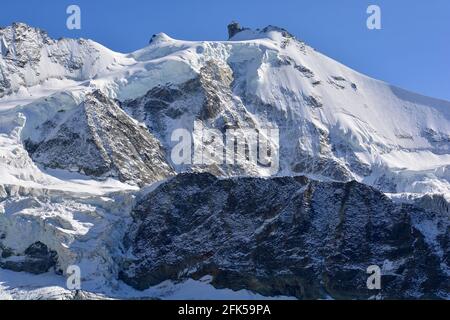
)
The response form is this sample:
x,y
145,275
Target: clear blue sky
x,y
412,50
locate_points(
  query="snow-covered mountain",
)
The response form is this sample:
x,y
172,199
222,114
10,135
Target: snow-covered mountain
x,y
334,122
82,128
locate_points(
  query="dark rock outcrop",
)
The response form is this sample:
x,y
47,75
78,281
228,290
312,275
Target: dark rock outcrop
x,y
287,236
233,29
36,259
101,140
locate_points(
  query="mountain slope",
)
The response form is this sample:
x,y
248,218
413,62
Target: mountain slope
x,y
99,139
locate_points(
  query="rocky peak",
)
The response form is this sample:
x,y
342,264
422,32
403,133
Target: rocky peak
x,y
234,28
31,57
20,31
22,44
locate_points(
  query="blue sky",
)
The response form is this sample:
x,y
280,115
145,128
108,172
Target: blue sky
x,y
412,50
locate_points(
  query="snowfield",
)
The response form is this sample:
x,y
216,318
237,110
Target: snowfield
x,y
335,124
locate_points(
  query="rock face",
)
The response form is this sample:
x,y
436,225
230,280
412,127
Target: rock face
x,y
233,29
36,259
206,99
101,140
287,236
